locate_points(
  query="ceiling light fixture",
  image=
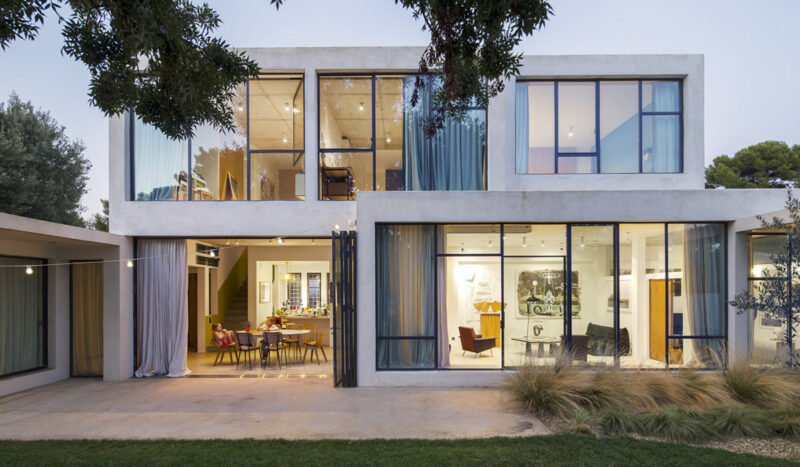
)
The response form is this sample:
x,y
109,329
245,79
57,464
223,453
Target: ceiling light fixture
x,y
286,106
581,241
241,109
388,139
570,131
542,244
360,106
524,242
237,242
312,241
285,140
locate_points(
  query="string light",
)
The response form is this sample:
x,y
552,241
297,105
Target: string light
x,y
129,264
211,254
280,241
28,270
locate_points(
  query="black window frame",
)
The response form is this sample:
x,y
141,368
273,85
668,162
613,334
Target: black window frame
x,y
373,146
567,258
41,267
597,154
288,75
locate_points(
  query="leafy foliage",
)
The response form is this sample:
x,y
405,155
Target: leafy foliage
x,y
771,164
100,220
42,171
472,46
779,298
158,57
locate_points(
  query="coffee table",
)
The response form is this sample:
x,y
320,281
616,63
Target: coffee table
x,y
541,340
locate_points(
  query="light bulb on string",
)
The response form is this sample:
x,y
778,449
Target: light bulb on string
x,y
211,253
28,270
129,263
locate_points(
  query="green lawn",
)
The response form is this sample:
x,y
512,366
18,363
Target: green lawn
x,y
542,450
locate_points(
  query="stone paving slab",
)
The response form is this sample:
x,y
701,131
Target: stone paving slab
x,y
308,408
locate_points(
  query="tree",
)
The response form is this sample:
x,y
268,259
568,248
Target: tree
x,y
778,295
100,220
42,171
771,164
157,57
472,46
160,58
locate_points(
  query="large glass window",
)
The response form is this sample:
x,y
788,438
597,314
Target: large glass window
x,y
598,126
262,158
23,323
490,295
372,138
768,332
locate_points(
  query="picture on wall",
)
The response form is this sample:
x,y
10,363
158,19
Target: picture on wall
x,y
263,292
541,292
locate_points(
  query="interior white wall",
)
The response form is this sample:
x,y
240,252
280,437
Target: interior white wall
x,y
278,286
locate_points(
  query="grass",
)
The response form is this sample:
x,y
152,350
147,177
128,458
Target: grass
x,y
564,449
677,406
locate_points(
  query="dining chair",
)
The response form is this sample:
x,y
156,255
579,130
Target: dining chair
x,y
223,349
272,342
293,342
246,344
315,344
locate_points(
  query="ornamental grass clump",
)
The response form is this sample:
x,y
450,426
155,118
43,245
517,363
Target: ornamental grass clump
x,y
617,421
760,387
547,389
738,421
674,423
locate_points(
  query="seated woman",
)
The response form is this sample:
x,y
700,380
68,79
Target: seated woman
x,y
222,336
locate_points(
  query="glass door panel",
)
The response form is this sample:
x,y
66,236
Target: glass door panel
x,y
593,294
535,296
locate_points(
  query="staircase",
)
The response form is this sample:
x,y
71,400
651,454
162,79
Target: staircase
x,y
236,316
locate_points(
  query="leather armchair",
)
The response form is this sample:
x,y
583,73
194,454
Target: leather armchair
x,y
474,342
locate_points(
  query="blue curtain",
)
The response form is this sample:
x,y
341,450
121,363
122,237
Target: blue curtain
x,y
454,159
662,140
159,164
522,139
406,308
704,273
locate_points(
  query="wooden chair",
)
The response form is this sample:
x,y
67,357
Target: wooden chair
x,y
272,343
293,342
223,349
247,344
316,344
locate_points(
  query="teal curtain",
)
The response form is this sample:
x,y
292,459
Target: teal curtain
x,y
522,139
704,273
453,159
662,132
159,164
406,308
22,308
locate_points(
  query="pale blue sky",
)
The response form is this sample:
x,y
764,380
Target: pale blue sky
x,y
752,63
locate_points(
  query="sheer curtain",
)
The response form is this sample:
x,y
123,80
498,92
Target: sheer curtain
x,y
162,307
704,273
406,308
158,162
521,138
21,315
453,159
664,130
87,319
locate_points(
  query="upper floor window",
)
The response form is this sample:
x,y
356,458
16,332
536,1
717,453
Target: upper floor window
x,y
371,138
261,159
598,126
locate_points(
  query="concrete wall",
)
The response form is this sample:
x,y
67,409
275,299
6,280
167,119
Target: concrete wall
x,y
609,206
314,217
60,244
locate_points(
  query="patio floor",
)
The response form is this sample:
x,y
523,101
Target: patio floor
x,y
293,407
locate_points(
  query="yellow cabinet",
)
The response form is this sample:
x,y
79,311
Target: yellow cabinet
x,y
490,326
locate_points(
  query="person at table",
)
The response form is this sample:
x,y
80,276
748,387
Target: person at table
x,y
222,335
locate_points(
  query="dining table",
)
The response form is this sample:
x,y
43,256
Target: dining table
x,y
257,333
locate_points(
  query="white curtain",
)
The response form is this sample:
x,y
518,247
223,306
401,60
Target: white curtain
x,y
162,308
444,341
21,315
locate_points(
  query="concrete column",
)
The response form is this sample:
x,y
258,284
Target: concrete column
x,y
738,323
311,141
118,314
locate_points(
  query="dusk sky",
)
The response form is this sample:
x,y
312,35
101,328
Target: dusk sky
x,y
752,63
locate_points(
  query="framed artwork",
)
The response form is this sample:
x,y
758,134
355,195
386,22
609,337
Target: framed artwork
x,y
263,292
541,291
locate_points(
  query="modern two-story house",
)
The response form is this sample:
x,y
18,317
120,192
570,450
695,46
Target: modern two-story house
x,y
568,216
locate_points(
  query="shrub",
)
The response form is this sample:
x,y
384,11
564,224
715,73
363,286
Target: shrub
x,y
617,421
738,420
675,423
547,390
786,422
761,387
